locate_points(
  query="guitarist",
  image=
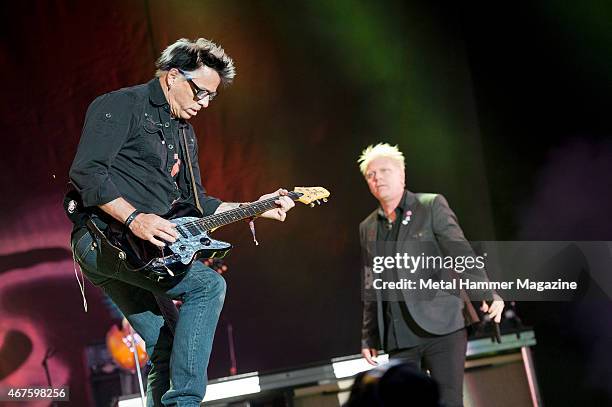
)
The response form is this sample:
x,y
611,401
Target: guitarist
x,y
132,164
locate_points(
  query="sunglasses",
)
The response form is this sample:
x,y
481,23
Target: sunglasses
x,y
198,92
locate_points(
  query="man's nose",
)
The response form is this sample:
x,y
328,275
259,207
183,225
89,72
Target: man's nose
x,y
204,102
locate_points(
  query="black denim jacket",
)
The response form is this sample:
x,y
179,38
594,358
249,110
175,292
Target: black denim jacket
x,y
127,150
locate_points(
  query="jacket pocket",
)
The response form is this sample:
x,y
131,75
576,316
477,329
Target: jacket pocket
x,y
150,144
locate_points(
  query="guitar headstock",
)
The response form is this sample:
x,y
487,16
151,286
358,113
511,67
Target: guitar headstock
x,y
310,195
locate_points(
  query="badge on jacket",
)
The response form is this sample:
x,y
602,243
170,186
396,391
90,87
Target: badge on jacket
x,y
407,216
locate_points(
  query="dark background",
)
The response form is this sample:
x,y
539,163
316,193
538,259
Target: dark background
x,y
503,109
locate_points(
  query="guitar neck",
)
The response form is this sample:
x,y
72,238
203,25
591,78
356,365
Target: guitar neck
x,y
244,212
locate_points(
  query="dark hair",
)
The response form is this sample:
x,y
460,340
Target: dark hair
x,y
189,56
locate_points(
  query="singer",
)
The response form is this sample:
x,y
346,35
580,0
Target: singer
x,y
427,332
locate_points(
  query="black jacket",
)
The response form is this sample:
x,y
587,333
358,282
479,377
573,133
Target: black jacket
x,y
433,221
127,149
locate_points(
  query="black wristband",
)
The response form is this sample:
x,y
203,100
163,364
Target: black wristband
x,y
131,218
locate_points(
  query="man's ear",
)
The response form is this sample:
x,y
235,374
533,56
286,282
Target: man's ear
x,y
172,75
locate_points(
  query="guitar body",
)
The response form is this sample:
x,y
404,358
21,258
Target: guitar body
x,y
176,258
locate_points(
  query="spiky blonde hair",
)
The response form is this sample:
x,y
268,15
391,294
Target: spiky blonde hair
x,y
373,152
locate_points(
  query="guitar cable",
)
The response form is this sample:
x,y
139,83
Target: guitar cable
x,y
80,282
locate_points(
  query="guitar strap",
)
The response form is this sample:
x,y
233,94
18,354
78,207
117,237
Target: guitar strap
x,y
194,188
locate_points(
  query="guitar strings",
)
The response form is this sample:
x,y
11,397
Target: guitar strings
x,y
219,216
236,211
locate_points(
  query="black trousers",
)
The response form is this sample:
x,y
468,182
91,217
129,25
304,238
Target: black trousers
x,y
444,357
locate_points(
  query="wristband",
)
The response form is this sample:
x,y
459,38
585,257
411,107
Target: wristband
x,y
131,218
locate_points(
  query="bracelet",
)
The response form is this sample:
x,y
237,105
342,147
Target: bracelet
x,y
131,218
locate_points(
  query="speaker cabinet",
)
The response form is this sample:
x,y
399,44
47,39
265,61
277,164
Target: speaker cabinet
x,y
501,380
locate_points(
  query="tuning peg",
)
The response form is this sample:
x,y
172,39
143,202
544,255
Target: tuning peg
x,y
324,199
312,205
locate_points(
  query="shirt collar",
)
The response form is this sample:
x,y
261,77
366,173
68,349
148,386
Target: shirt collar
x,y
156,94
402,206
157,98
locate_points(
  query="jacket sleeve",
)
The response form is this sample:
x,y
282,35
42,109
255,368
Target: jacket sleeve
x,y
453,243
369,328
370,337
107,126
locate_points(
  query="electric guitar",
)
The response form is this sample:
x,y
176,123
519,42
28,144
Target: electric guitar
x,y
194,241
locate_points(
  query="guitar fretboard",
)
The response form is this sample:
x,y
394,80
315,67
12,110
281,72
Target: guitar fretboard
x,y
210,222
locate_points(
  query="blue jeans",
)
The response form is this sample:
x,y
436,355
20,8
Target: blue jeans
x,y
179,354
